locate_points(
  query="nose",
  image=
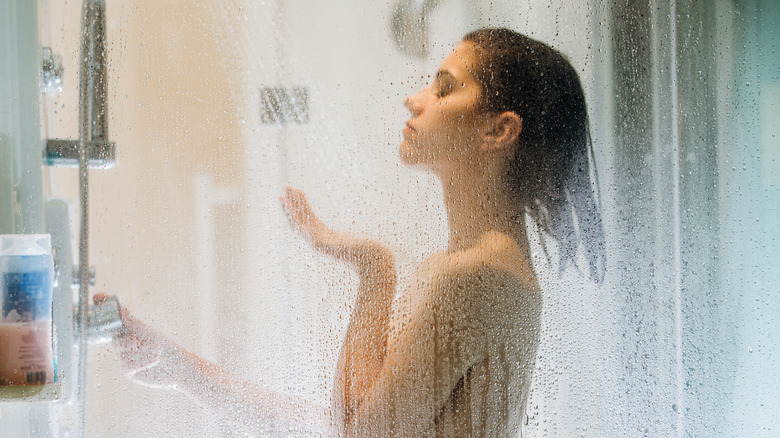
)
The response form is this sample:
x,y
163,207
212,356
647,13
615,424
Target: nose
x,y
413,103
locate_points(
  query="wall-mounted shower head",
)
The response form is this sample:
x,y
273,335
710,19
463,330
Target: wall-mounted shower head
x,y
410,27
284,105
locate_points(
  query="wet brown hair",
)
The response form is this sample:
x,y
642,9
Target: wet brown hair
x,y
550,171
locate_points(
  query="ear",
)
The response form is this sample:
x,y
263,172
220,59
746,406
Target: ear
x,y
504,129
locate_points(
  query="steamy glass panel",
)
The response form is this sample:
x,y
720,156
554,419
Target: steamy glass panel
x,y
266,168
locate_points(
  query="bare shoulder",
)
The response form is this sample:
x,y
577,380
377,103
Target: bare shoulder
x,y
490,282
495,262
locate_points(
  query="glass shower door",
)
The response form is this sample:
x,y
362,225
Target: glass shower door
x,y
217,106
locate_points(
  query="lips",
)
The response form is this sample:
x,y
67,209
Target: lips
x,y
409,129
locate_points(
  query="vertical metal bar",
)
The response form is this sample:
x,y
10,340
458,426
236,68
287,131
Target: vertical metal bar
x,y
676,223
95,100
83,281
93,127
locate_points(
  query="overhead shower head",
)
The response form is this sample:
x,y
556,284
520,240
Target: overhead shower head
x,y
410,27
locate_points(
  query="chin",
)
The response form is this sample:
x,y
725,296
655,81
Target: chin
x,y
407,155
414,162
413,158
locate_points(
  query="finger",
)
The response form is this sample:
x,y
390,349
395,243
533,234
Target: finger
x,y
292,194
293,216
289,202
285,206
127,319
133,332
300,198
302,206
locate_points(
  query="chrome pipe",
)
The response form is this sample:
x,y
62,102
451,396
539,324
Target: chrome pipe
x,y
93,126
93,78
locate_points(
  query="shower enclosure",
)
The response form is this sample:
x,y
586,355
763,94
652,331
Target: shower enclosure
x,y
216,106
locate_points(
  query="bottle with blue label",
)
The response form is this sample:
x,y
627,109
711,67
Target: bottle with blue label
x,y
26,274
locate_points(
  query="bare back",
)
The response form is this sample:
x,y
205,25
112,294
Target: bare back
x,y
471,322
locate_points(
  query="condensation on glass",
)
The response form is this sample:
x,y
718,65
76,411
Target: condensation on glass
x,y
216,107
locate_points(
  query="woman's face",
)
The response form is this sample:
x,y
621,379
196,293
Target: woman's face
x,y
445,121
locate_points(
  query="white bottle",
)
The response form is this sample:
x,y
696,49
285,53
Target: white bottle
x,y
26,349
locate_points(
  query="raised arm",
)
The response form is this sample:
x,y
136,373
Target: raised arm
x,y
365,344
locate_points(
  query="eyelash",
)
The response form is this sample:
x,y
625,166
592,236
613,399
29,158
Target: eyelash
x,y
442,91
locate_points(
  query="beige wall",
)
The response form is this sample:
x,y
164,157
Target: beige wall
x,y
175,117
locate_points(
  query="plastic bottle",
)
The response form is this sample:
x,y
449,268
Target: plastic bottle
x,y
26,348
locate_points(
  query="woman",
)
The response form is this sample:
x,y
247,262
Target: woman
x,y
504,127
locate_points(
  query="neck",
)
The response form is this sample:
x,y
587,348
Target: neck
x,y
478,204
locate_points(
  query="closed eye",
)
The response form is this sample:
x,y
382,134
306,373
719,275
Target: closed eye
x,y
443,84
443,90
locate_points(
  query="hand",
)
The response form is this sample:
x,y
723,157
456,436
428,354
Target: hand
x,y
150,358
363,253
303,219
